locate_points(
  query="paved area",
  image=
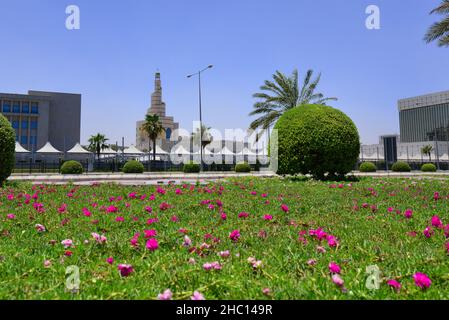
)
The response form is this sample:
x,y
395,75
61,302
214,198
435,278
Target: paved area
x,y
151,178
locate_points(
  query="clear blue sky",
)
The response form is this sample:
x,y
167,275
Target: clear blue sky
x,y
111,61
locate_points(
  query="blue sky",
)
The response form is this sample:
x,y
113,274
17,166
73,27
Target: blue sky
x,y
111,60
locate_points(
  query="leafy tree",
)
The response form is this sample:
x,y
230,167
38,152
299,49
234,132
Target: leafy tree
x,y
440,30
97,143
283,94
427,150
152,127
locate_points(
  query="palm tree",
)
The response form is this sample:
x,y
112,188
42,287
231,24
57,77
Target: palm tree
x,y
427,150
153,128
284,94
440,30
97,143
206,136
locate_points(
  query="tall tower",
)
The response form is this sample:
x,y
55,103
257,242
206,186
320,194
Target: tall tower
x,y
157,105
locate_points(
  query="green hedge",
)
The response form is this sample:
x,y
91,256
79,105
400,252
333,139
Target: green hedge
x,y
71,167
243,167
133,166
428,167
401,166
367,167
7,149
317,140
191,168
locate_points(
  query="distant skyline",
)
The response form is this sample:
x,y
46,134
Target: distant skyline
x,y
112,59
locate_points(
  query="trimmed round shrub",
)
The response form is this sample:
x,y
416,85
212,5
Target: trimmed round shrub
x,y
317,140
191,167
368,167
242,167
7,149
401,166
71,167
133,166
428,167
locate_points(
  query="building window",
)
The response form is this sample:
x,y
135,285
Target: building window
x,y
33,124
15,124
17,137
23,140
33,140
34,108
25,107
16,107
6,106
168,134
24,124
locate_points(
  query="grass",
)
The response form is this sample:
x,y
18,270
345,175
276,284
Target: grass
x,y
366,236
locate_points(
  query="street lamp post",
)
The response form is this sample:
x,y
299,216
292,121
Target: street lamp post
x,y
201,114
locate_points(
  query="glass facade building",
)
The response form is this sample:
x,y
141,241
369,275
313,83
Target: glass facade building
x,y
424,118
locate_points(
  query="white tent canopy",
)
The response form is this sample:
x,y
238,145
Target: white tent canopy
x,y
159,150
180,150
108,151
48,149
20,149
78,149
132,150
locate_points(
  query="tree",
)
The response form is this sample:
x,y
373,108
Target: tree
x,y
152,127
97,143
440,30
427,150
284,94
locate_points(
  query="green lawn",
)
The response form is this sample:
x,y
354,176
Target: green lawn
x,y
293,266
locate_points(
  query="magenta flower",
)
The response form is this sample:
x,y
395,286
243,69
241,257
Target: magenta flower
x,y
331,241
11,216
436,222
148,209
428,232
67,243
312,262
166,295
197,296
111,209
40,228
187,242
446,231
224,254
125,269
149,233
234,235
408,213
334,268
110,260
223,216
152,244
284,208
101,239
243,215
268,217
422,280
394,284
119,219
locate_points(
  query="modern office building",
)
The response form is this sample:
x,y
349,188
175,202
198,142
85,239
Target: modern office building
x,y
157,107
40,117
424,118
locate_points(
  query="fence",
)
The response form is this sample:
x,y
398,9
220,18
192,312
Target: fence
x,y
42,166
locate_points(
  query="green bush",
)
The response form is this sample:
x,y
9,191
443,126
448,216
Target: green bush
x,y
242,167
191,167
71,167
428,167
367,167
133,166
401,166
7,149
317,140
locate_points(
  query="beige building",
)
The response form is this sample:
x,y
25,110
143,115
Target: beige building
x,y
157,107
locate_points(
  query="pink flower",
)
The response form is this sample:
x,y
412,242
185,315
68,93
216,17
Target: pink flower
x,y
68,253
338,280
224,254
166,295
408,213
40,228
321,249
152,244
178,191
86,212
422,280
436,222
125,269
268,217
10,197
164,206
390,209
187,241
119,219
11,216
284,208
223,216
110,260
47,264
67,243
197,296
446,231
436,196
234,235
311,262
394,284
112,209
266,291
100,239
428,232
149,233
243,215
334,268
332,241
148,209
